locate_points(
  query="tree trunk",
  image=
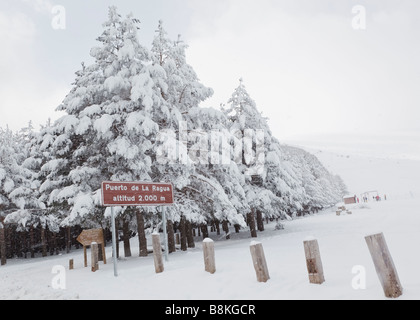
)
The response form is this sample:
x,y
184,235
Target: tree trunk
x,y
100,252
10,250
74,234
53,243
237,228
217,223
183,229
260,221
2,242
251,223
141,234
126,238
190,238
171,236
225,227
205,231
68,242
32,241
50,242
44,242
24,243
13,243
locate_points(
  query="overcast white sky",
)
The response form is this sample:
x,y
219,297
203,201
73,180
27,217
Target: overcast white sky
x,y
309,71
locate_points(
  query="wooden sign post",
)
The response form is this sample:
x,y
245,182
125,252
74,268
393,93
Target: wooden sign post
x,y
157,253
94,256
260,264
313,262
384,265
87,237
209,256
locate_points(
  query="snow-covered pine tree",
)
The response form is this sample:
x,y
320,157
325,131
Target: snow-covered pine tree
x,y
113,116
183,89
9,173
340,186
268,186
200,196
32,213
19,192
10,170
217,175
167,165
322,189
292,181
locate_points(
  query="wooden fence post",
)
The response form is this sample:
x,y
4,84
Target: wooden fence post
x,y
157,253
71,264
384,265
260,263
209,256
313,262
94,249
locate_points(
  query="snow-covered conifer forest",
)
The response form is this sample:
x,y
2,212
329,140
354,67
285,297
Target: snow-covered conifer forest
x,y
126,114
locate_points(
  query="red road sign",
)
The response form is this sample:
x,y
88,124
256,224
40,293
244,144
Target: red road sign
x,y
136,194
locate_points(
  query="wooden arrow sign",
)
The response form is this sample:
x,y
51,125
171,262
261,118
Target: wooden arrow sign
x,y
89,236
93,235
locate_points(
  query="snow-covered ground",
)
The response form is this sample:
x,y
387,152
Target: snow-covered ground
x,y
341,241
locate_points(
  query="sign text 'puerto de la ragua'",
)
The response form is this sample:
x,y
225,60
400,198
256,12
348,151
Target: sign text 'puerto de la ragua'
x,y
136,194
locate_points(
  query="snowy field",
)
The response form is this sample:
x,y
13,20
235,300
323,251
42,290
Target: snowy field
x,y
341,241
342,246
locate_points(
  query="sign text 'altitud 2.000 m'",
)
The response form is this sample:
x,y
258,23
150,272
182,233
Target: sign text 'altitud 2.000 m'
x,y
136,194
